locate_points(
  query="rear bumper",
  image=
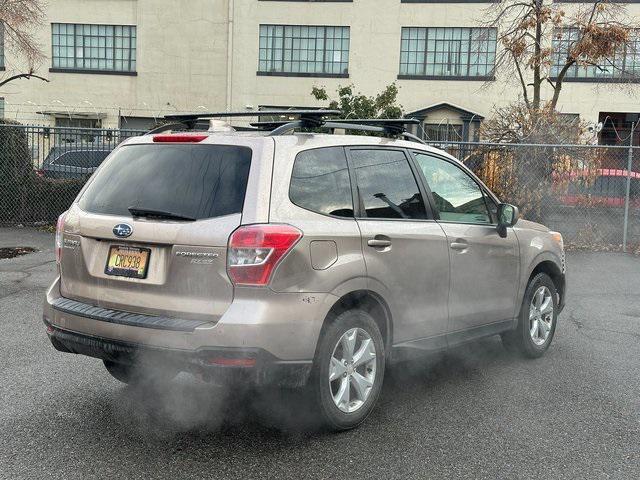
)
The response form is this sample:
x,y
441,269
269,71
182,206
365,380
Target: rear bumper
x,y
279,330
251,366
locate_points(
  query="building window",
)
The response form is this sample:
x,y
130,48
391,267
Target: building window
x,y
623,66
69,134
78,122
304,50
97,48
447,52
1,45
443,132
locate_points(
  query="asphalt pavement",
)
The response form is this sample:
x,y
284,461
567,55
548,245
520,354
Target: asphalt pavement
x,y
475,412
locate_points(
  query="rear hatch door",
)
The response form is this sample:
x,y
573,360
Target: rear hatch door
x,y
149,233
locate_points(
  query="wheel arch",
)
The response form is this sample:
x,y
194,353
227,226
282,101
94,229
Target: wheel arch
x,y
370,302
552,269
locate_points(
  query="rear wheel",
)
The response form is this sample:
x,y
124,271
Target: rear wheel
x,y
537,321
134,374
348,370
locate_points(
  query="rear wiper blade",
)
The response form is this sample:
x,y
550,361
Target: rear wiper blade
x,y
148,212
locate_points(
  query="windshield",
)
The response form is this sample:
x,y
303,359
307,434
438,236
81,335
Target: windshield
x,y
194,181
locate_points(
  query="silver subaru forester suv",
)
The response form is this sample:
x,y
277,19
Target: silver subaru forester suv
x,y
294,260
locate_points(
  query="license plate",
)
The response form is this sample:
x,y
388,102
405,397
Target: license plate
x,y
129,262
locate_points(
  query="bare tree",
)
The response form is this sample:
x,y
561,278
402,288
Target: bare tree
x,y
19,20
588,34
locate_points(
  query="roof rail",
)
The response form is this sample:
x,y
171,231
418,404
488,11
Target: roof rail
x,y
387,126
390,125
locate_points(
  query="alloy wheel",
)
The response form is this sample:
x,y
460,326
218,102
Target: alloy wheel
x,y
541,315
352,371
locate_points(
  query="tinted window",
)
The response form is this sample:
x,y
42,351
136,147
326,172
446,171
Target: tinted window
x,y
81,158
386,185
320,182
457,196
199,181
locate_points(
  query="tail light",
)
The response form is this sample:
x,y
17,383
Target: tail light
x,y
39,172
59,229
179,138
256,250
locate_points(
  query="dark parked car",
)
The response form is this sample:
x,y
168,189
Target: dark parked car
x,y
72,161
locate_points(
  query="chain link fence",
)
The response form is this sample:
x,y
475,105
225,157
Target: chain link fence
x,y
589,193
42,169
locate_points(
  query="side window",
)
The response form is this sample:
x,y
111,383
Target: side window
x,y
386,185
320,182
457,196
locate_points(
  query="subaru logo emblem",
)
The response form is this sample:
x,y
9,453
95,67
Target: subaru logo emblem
x,y
122,230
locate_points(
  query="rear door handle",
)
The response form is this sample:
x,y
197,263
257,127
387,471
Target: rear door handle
x,y
379,243
460,245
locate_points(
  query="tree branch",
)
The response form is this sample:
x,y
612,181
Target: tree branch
x,y
22,75
522,81
559,79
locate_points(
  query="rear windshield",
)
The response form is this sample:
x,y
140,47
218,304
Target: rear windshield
x,y
198,181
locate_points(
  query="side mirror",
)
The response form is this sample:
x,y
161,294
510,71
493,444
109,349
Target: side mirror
x,y
507,217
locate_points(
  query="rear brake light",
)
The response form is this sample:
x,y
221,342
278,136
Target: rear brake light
x,y
256,250
59,239
179,138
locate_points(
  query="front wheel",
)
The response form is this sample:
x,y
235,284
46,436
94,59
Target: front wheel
x,y
537,321
348,370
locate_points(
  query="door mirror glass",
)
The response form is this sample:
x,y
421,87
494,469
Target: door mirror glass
x,y
507,217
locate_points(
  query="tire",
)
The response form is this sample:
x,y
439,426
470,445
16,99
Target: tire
x,y
535,331
352,381
131,374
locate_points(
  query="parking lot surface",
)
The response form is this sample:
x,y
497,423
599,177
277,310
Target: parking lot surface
x,y
475,412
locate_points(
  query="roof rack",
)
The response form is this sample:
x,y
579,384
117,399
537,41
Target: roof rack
x,y
307,118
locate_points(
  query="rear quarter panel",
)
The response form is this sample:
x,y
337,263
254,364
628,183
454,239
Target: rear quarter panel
x,y
311,266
